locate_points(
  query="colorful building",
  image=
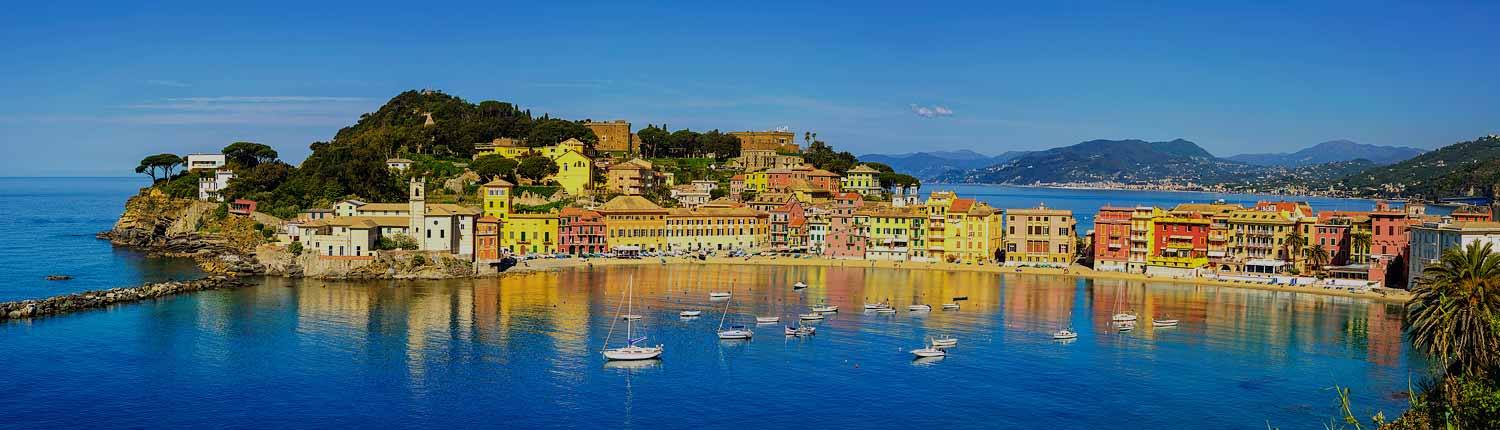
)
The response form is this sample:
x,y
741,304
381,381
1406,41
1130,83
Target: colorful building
x,y
575,171
1112,238
1259,244
846,239
487,239
861,179
1039,237
974,232
530,233
1142,233
634,224
1430,240
1179,245
581,231
716,228
495,198
633,177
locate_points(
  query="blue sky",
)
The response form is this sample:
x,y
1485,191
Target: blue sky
x,y
89,90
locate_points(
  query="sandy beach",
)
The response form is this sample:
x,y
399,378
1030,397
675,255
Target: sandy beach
x,y
534,266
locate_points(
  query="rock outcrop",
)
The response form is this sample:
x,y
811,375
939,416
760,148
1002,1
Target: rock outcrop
x,y
175,227
104,298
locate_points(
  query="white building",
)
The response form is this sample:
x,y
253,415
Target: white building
x,y
209,187
205,161
1431,239
357,226
398,164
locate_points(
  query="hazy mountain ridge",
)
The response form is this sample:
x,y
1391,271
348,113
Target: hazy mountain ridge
x,y
1331,151
933,164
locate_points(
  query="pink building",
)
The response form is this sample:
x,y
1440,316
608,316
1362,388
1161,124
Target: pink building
x,y
1112,238
845,238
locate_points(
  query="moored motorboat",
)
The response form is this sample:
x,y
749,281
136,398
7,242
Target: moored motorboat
x,y
917,308
811,316
825,309
945,341
1064,334
874,306
929,351
950,306
799,285
719,294
1164,323
801,331
631,317
1122,317
767,320
687,314
885,311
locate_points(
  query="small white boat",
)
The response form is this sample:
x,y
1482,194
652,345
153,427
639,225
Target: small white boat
x,y
1064,334
825,309
950,306
767,320
799,285
811,316
801,331
885,311
1164,323
1121,317
633,353
929,351
688,314
719,295
1126,326
918,308
874,306
630,317
736,332
945,341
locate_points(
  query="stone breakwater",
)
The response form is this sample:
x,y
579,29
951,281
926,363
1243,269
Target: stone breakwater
x,y
105,298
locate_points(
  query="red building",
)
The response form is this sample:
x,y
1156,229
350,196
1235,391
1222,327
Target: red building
x,y
1388,235
845,238
1472,214
1334,232
487,238
1181,237
823,179
1111,238
783,218
581,231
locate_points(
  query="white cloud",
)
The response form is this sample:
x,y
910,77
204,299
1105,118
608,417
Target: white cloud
x,y
933,111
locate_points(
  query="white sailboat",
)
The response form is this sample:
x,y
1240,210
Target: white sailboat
x,y
735,331
631,351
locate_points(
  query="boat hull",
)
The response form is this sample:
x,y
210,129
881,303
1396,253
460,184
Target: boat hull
x,y
632,353
736,334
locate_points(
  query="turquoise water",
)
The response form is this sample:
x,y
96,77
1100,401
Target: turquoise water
x,y
523,352
51,224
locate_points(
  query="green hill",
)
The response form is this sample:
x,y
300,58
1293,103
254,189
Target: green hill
x,y
1460,169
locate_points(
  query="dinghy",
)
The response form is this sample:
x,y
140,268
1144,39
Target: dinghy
x,y
689,314
1164,323
945,341
719,295
919,308
767,320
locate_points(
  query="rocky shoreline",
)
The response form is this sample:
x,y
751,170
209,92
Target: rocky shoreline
x,y
104,298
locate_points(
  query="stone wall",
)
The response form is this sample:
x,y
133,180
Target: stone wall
x,y
104,298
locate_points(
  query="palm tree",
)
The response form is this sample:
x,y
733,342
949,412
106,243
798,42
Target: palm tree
x,y
1316,257
1359,246
1452,316
1294,243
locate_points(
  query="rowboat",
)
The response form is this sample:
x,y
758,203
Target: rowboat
x,y
945,341
686,314
767,320
1164,323
918,308
719,295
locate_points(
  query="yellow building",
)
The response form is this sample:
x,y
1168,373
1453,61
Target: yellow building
x,y
1142,237
632,223
936,209
530,233
1258,239
1039,237
974,231
895,234
861,179
575,172
495,196
716,228
758,181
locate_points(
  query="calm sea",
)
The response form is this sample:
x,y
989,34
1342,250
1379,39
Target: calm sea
x,y
523,352
51,224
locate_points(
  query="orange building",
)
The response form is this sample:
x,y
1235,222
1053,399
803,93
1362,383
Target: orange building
x,y
487,238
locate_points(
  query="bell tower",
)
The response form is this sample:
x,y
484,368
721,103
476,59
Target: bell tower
x,y
416,198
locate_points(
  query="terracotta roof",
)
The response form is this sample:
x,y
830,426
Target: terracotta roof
x,y
821,172
961,205
367,221
863,169
708,211
629,204
497,182
385,207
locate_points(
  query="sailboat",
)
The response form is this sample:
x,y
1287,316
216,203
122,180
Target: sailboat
x,y
631,351
735,331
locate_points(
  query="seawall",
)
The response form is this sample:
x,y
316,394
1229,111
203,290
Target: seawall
x,y
104,298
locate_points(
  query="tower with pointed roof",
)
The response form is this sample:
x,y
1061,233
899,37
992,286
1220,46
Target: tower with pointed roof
x,y
495,196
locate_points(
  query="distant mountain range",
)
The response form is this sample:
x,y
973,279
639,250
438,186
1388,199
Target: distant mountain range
x,y
1125,161
1460,169
929,165
1331,151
